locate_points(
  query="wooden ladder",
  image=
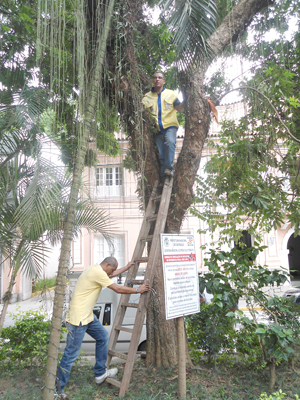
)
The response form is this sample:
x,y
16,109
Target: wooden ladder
x,y
153,224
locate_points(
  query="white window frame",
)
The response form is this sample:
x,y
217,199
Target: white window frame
x,y
108,181
103,249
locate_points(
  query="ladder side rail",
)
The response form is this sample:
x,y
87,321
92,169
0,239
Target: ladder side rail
x,y
140,244
159,228
137,330
137,254
149,275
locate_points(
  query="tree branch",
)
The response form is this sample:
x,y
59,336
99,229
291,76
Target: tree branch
x,y
235,23
269,101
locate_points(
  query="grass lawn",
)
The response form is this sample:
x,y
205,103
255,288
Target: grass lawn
x,y
203,382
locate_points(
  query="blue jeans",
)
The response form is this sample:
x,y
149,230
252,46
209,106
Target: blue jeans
x,y
166,144
74,339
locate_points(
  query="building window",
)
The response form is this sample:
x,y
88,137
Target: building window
x,y
245,241
115,248
109,182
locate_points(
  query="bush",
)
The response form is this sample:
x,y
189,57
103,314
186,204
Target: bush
x,y
25,343
276,396
210,332
247,345
43,284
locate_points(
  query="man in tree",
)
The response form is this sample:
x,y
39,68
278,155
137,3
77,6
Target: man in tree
x,y
163,104
80,319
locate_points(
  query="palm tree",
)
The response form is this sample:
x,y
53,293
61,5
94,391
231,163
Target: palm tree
x,y
34,197
89,89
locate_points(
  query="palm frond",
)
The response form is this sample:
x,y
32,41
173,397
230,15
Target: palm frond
x,y
192,22
93,218
31,257
44,203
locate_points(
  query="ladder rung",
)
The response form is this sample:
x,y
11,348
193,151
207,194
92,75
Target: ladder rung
x,y
141,260
122,328
151,219
148,238
137,282
132,305
119,355
156,197
114,382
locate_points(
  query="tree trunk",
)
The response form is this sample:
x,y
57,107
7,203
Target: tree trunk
x,y
161,334
91,102
7,296
272,371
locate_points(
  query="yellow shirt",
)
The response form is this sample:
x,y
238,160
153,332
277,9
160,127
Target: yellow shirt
x,y
162,108
86,293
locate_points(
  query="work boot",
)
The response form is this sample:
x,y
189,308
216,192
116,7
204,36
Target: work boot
x,y
167,174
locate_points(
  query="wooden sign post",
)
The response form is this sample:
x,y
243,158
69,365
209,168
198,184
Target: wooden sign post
x,y
181,290
181,359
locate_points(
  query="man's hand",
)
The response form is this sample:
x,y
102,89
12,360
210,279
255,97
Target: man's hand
x,y
144,288
121,270
129,290
130,264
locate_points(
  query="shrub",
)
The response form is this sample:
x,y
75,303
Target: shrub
x,y
43,284
247,345
210,332
276,396
25,343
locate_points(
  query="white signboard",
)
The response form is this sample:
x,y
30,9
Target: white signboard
x,y
180,275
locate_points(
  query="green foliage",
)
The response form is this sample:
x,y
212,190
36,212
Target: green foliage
x,y
281,336
233,275
276,396
25,343
157,48
210,332
191,25
254,168
17,26
277,339
247,345
43,284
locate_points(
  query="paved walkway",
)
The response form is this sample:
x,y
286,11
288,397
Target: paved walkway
x,y
43,301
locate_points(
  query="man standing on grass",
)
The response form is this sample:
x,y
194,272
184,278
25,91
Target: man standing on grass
x,y
80,320
163,104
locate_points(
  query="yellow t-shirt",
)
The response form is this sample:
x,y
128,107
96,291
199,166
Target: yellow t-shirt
x,y
86,293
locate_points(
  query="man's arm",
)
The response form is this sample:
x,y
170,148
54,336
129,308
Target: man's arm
x,y
180,106
121,270
129,290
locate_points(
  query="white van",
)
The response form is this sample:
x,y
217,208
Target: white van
x,y
105,310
